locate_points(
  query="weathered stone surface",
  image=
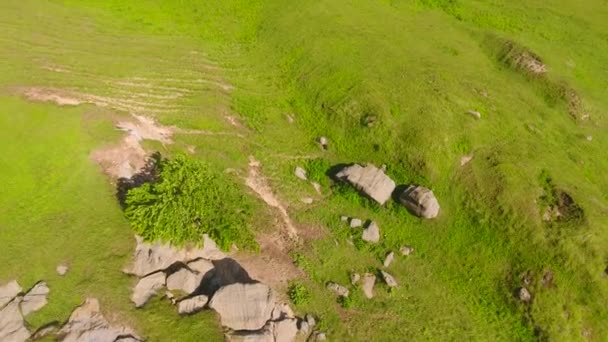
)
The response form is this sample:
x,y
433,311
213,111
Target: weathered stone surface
x,y
406,250
324,142
371,233
389,279
284,330
184,280
12,326
62,269
45,331
337,289
244,306
367,285
35,299
369,179
464,160
420,201
310,319
389,259
146,288
264,335
210,250
355,222
149,258
191,305
281,311
300,173
88,324
8,292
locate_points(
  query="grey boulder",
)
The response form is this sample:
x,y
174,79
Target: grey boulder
x,y
420,201
367,285
8,292
147,287
244,306
337,289
191,305
389,279
371,233
370,180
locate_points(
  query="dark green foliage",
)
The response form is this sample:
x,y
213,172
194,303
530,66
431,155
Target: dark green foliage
x,y
190,199
298,293
346,301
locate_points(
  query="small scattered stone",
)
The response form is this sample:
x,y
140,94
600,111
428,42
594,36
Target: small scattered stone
x,y
306,200
304,327
35,299
324,142
475,114
289,118
191,305
300,173
548,279
62,269
354,278
589,138
317,187
389,259
320,337
406,250
369,280
311,320
371,233
344,218
524,295
389,279
464,160
338,289
355,222
170,296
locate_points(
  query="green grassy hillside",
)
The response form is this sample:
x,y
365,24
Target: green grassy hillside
x,y
414,67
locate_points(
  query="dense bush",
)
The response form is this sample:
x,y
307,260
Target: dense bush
x,y
190,199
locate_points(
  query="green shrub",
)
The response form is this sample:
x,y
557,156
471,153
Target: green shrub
x,y
190,199
345,302
298,293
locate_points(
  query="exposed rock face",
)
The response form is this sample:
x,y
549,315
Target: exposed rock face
x,y
8,292
338,289
184,280
367,285
264,335
88,324
420,201
389,259
369,179
191,305
149,258
281,311
244,306
389,279
12,325
147,287
371,233
35,299
284,330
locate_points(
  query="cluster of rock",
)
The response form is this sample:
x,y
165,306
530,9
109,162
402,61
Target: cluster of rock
x,y
197,278
371,231
373,182
14,306
85,324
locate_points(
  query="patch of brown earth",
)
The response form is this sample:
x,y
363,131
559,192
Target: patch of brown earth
x,y
273,265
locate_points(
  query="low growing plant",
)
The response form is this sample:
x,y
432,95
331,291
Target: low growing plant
x,y
298,293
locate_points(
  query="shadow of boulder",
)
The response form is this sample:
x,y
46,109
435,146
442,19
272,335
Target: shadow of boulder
x,y
225,272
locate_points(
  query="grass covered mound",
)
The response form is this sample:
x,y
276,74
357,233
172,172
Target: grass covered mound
x,y
190,198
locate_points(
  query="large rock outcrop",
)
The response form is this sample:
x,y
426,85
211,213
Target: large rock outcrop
x,y
87,323
420,201
12,324
244,306
35,298
370,180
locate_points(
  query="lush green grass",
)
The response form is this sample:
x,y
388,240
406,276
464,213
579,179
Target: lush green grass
x,y
418,67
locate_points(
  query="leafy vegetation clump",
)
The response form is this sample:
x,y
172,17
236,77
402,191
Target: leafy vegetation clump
x,y
190,199
298,293
317,170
